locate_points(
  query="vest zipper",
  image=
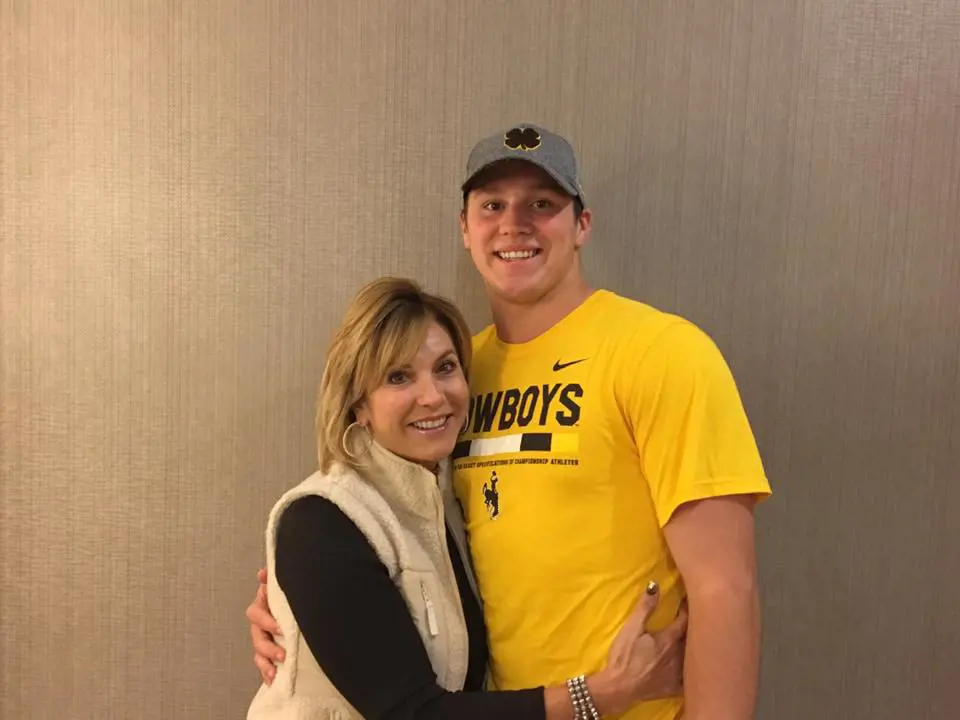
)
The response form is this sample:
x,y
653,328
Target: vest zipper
x,y
431,615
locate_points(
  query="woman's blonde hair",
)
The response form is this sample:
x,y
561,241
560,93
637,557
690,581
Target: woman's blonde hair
x,y
383,329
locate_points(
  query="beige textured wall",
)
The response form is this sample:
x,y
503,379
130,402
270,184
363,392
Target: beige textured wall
x,y
189,192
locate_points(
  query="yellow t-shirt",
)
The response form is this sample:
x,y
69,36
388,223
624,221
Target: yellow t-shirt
x,y
579,446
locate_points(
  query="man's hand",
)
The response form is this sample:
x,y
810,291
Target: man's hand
x,y
263,628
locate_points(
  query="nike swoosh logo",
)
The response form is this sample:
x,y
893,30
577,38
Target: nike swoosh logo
x,y
560,366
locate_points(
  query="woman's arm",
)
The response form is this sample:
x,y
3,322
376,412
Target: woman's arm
x,y
359,629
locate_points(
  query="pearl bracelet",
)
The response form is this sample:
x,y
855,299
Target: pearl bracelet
x,y
583,705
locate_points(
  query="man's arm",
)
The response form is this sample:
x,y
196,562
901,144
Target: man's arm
x,y
712,542
701,462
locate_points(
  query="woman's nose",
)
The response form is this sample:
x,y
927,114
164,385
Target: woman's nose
x,y
430,393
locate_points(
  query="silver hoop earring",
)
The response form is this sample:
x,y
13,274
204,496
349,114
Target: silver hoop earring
x,y
350,439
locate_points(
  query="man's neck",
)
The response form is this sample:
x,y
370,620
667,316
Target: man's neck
x,y
518,323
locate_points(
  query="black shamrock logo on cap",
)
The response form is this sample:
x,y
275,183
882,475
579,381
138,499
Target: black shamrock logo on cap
x,y
522,139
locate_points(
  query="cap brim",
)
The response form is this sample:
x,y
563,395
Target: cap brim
x,y
564,184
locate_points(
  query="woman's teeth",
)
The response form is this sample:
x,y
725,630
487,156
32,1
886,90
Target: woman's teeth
x,y
429,424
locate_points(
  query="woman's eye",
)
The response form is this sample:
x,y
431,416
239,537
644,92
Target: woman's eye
x,y
448,366
395,378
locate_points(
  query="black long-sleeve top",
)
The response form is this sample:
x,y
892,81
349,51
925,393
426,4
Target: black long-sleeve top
x,y
358,627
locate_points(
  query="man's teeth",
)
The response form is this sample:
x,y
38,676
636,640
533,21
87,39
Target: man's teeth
x,y
429,424
517,254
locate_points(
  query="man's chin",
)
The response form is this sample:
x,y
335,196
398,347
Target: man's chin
x,y
514,293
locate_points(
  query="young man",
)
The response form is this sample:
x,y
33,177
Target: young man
x,y
606,444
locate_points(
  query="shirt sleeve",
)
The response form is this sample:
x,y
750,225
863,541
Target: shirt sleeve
x,y
690,427
358,627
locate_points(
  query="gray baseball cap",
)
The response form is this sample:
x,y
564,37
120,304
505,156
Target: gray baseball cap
x,y
532,144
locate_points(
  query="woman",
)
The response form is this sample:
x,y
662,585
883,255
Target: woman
x,y
368,575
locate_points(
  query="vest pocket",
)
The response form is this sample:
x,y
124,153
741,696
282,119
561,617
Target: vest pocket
x,y
430,610
427,603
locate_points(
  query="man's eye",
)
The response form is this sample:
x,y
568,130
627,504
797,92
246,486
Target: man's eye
x,y
542,204
493,205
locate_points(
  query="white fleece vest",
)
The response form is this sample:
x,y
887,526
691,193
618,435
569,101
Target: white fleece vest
x,y
401,510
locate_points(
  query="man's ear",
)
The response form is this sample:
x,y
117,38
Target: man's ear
x,y
463,228
584,223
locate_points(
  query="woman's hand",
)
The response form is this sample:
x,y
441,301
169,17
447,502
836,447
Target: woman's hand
x,y
642,665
